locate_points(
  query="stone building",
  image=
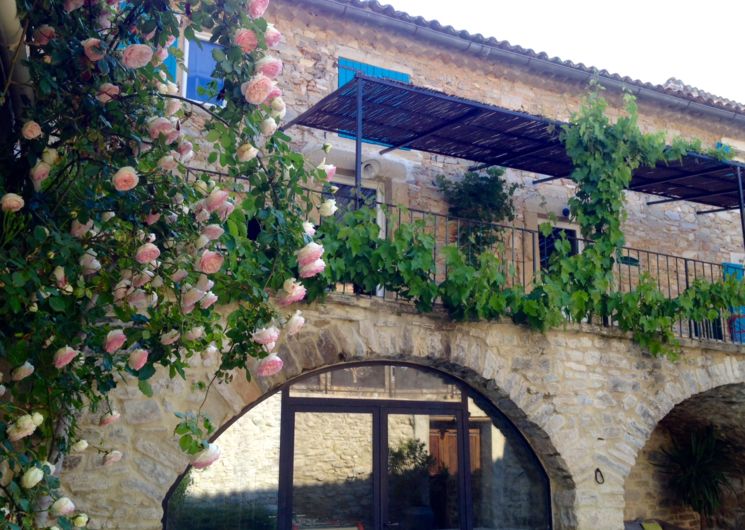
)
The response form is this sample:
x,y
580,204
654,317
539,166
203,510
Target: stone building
x,y
559,430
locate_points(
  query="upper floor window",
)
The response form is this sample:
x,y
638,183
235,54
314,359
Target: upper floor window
x,y
200,65
348,68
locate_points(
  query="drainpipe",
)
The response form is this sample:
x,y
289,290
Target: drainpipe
x,y
342,8
10,35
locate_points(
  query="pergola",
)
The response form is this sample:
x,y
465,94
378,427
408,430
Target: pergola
x,y
399,115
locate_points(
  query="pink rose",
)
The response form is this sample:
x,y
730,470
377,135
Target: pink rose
x,y
11,203
213,232
311,269
295,324
72,5
167,163
204,283
225,210
207,457
246,40
172,107
22,372
272,36
309,229
309,253
210,262
89,263
269,366
107,92
93,49
256,8
265,336
79,230
125,179
292,291
137,55
137,359
179,275
275,93
160,55
247,152
162,126
31,130
269,66
115,339
216,199
62,506
257,89
170,337
64,356
330,170
43,34
190,297
142,278
152,218
112,458
185,147
209,299
147,253
268,126
109,418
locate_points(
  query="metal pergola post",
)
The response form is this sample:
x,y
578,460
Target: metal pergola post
x,y
742,203
358,144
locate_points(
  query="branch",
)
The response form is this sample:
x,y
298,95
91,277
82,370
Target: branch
x,y
200,105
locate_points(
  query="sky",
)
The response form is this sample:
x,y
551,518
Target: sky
x,y
701,43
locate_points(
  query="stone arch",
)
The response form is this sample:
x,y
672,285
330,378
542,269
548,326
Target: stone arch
x,y
690,394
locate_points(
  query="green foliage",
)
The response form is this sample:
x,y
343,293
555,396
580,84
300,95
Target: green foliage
x,y
697,469
480,200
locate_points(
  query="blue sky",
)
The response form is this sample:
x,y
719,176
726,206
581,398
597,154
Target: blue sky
x,y
700,43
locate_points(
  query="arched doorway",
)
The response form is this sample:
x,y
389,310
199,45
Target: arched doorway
x,y
368,446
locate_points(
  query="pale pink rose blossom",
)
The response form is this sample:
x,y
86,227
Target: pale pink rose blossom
x,y
59,277
122,289
204,283
292,291
275,93
279,109
22,372
62,506
147,253
309,253
11,203
312,269
50,155
93,49
64,356
257,89
225,210
115,339
213,231
109,418
31,130
137,55
21,428
216,199
160,126
72,5
330,170
272,36
195,333
107,92
207,457
167,162
265,335
112,458
140,300
125,179
152,218
327,208
269,366
160,55
269,66
43,35
309,229
170,337
246,40
179,275
210,262
89,264
209,299
257,8
268,126
295,324
247,152
184,147
78,229
137,359
190,297
172,106
143,278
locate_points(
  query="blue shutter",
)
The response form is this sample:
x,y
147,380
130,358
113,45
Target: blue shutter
x,y
201,64
170,63
737,320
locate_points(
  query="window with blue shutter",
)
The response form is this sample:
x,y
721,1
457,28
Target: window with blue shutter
x,y
737,318
200,65
170,63
347,70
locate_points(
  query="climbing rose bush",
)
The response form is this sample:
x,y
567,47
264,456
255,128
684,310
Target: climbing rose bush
x,y
114,256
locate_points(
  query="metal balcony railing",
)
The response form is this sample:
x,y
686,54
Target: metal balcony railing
x,y
524,253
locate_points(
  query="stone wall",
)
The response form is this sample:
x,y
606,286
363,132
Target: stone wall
x,y
585,398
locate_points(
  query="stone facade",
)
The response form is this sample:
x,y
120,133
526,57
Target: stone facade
x,y
585,398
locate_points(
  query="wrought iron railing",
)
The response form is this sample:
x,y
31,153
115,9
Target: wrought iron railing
x,y
522,253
